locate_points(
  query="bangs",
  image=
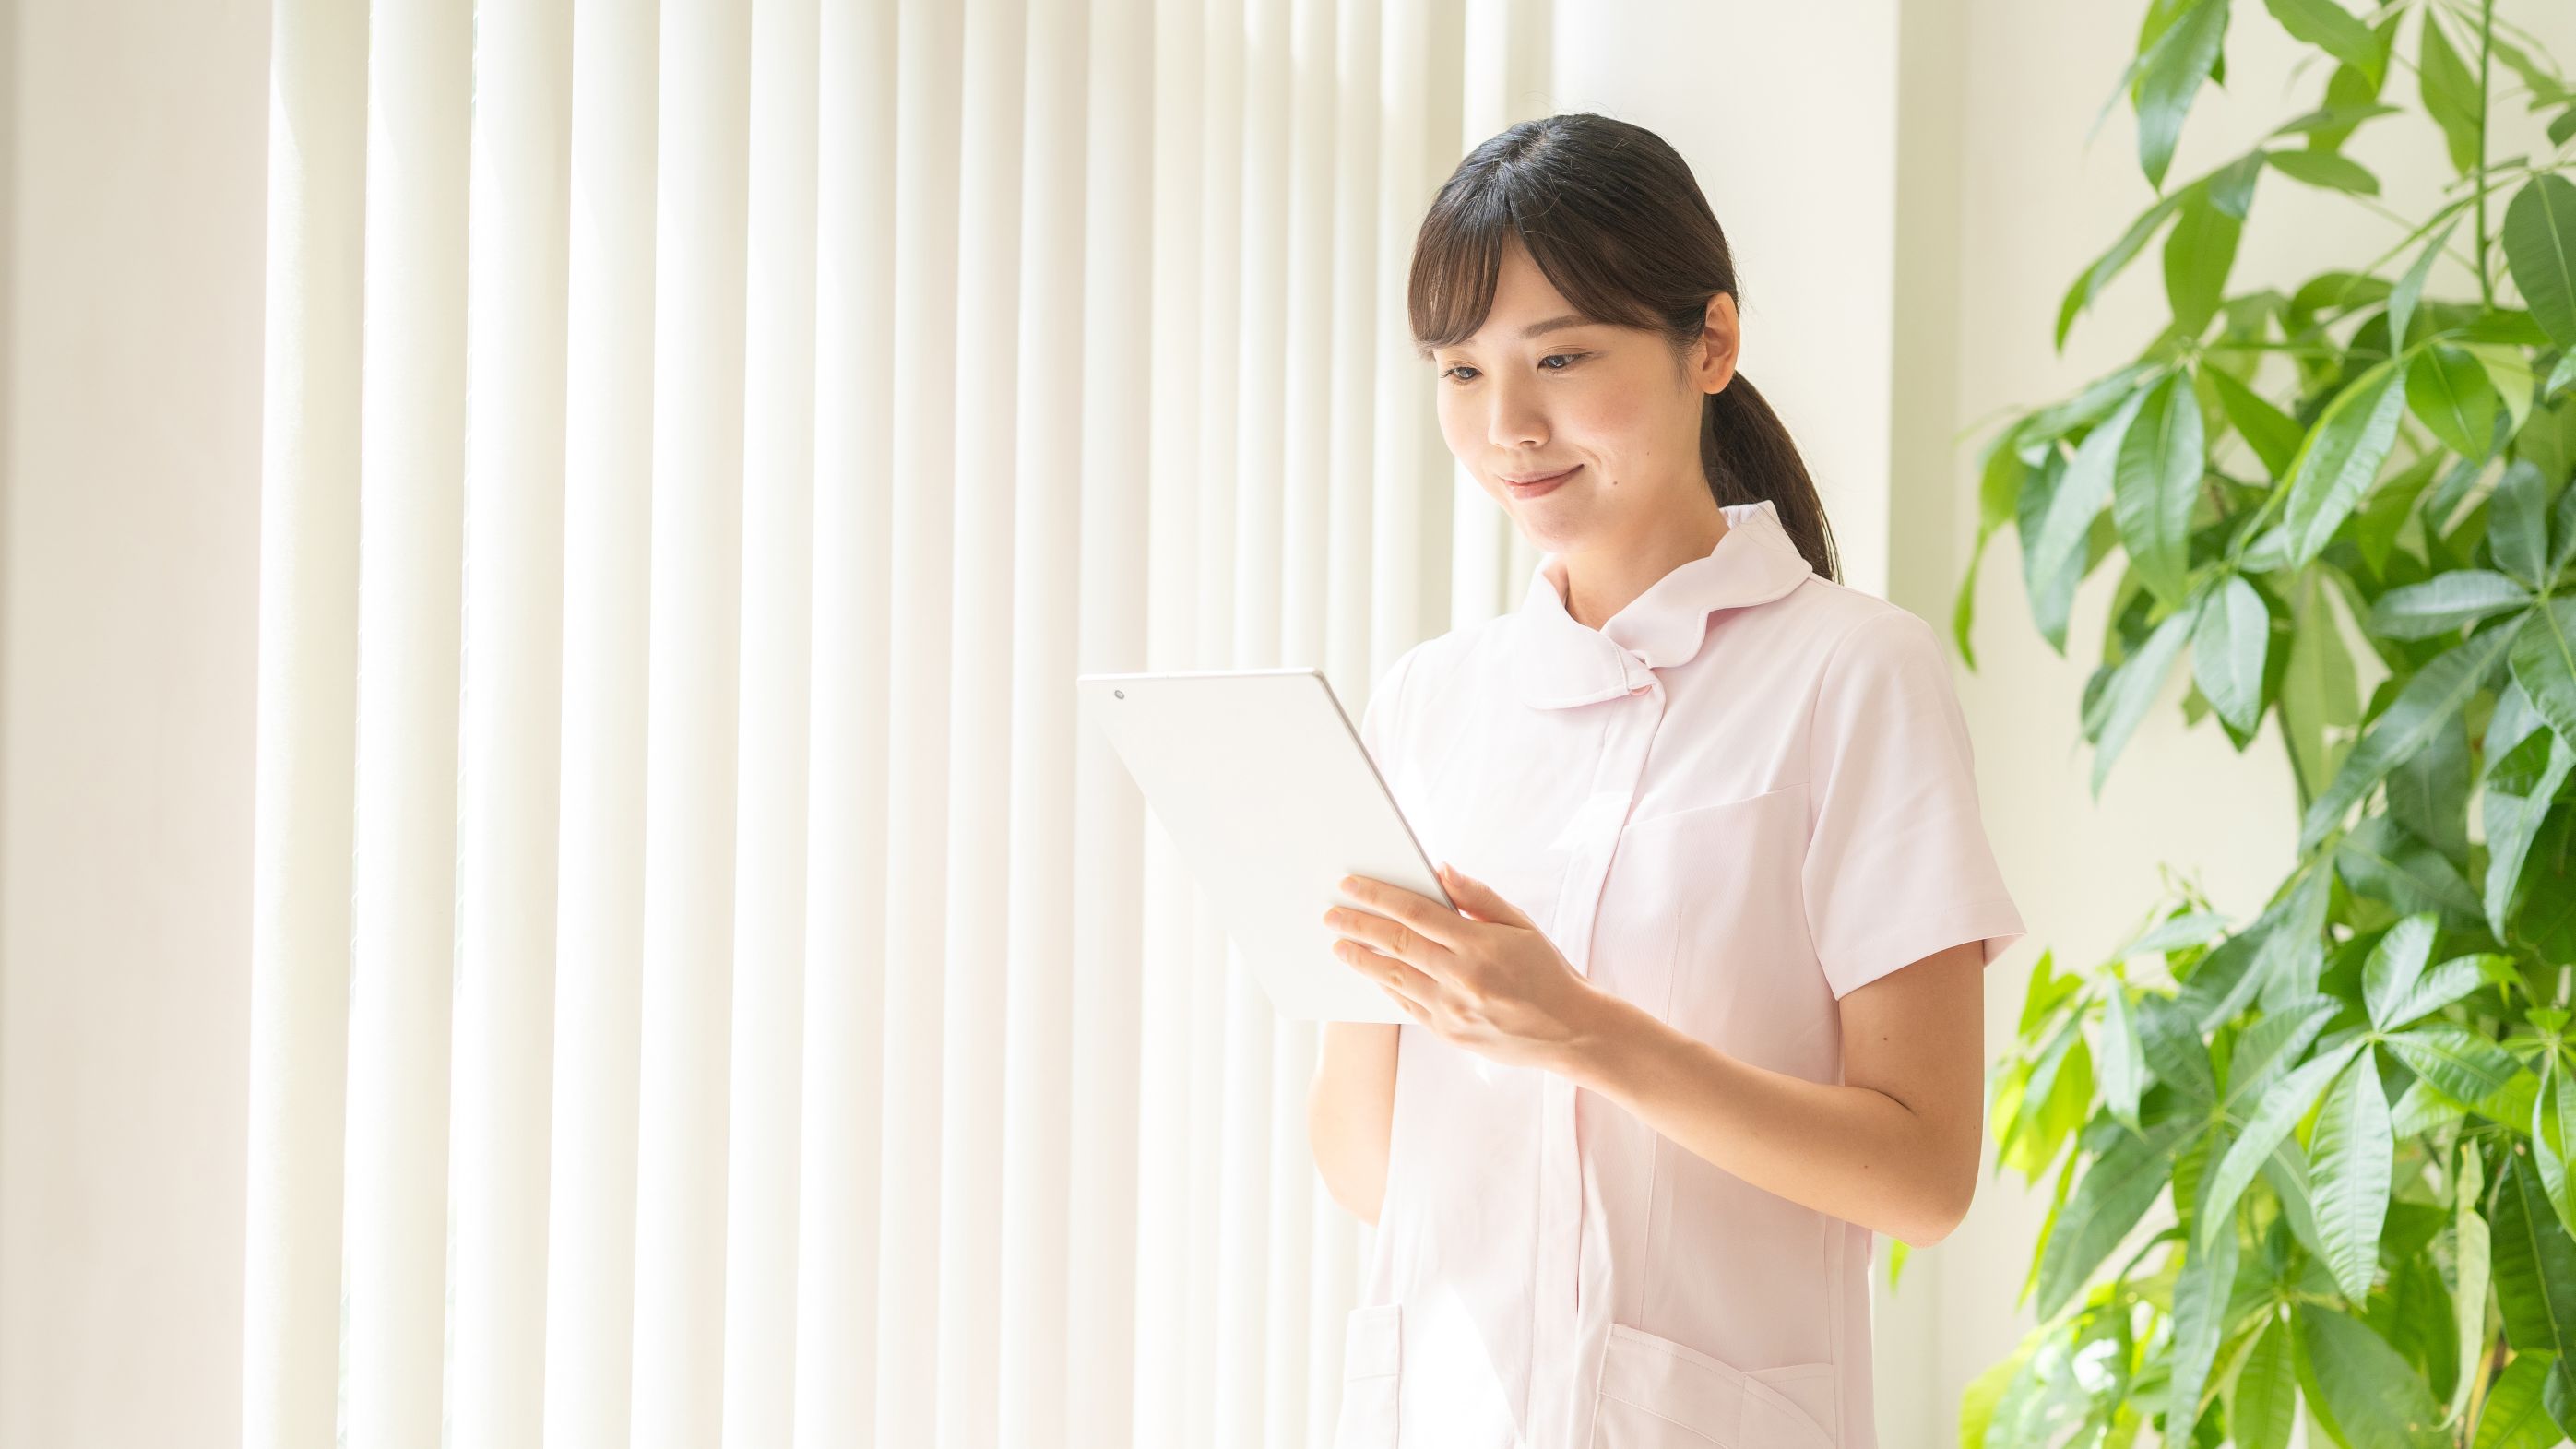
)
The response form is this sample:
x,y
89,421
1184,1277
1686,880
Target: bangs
x,y
1458,263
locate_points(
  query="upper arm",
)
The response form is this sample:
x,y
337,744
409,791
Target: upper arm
x,y
1918,1034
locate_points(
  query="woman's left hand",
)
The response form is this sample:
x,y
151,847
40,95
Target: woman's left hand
x,y
1482,976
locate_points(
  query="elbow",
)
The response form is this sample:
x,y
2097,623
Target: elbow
x,y
1942,1208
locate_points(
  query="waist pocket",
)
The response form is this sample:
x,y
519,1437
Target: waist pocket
x,y
1658,1394
1372,1360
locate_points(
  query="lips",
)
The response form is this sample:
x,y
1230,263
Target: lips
x,y
1544,484
1537,477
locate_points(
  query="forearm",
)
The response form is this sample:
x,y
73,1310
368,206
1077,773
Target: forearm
x,y
1853,1152
1350,1109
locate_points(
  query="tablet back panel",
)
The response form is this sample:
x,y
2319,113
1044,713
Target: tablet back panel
x,y
1265,788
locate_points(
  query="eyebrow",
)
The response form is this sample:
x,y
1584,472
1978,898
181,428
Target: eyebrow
x,y
1556,324
1552,324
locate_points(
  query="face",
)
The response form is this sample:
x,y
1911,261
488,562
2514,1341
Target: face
x,y
1605,406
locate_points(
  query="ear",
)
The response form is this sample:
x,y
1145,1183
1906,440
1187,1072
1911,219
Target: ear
x,y
1721,340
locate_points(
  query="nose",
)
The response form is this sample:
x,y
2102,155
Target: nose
x,y
1514,421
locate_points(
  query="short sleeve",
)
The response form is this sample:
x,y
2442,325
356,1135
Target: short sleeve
x,y
1898,865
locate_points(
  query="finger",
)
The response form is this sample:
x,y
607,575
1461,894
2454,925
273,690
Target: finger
x,y
1412,1008
1419,912
1392,938
1395,975
1479,900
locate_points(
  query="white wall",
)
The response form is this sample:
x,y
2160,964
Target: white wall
x,y
130,287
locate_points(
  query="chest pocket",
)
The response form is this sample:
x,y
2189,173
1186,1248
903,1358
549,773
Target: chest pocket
x,y
1711,934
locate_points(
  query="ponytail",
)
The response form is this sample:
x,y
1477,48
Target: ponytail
x,y
1749,458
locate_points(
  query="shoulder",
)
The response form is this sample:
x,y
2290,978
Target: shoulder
x,y
1443,663
1845,634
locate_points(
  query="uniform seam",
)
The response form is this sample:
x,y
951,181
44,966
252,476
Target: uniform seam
x,y
1691,1429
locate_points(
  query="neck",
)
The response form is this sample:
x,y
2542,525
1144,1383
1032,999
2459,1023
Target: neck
x,y
1601,581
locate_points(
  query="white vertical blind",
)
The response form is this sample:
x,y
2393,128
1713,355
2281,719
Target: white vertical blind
x,y
1047,349
690,756
777,622
509,774
847,862
303,824
599,925
410,580
1109,824
708,977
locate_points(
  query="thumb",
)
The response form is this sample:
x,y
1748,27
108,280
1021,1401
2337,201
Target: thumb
x,y
1479,900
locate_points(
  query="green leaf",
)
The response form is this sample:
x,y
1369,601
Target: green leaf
x,y
2359,1388
2380,858
2140,679
2332,29
2169,76
2266,1049
2535,1263
2438,988
2200,1321
1978,1400
2468,1068
2422,708
2266,429
2553,1117
2396,962
2123,1066
2267,1392
2094,278
2351,1156
2450,391
2444,602
2410,288
2199,252
2519,791
2086,486
2540,251
2512,1416
2110,1198
2324,169
2230,637
2385,509
2283,1106
2469,1252
2518,522
2049,582
2451,95
2544,662
2509,368
2156,483
2319,688
2170,1040
2340,457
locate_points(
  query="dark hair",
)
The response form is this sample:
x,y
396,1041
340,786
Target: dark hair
x,y
1613,217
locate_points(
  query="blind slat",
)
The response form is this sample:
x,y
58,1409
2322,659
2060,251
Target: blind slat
x,y
509,773
307,725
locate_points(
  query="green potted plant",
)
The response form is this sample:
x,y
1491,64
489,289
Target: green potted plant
x,y
2360,1102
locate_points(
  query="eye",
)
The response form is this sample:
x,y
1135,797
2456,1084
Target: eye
x,y
1566,357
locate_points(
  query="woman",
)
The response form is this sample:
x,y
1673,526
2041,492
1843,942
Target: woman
x,y
1707,1013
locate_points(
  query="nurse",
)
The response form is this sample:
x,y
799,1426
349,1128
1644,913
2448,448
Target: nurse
x,y
1707,1014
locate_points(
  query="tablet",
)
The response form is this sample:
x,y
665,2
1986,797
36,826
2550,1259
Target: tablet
x,y
1262,782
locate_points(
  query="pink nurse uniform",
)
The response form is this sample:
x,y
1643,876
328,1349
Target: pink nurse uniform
x,y
1745,795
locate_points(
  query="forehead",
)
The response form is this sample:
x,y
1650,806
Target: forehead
x,y
1525,303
